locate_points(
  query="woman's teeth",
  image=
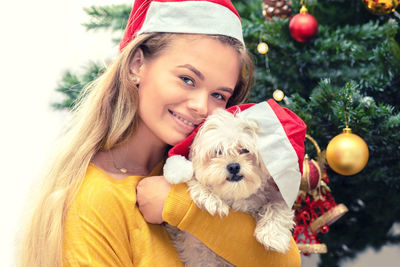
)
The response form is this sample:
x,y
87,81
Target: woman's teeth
x,y
183,120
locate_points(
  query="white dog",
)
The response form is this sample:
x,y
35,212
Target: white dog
x,y
228,172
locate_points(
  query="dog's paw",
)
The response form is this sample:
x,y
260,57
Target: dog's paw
x,y
216,206
212,204
273,238
206,200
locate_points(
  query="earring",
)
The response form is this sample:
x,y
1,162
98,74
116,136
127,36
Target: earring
x,y
135,79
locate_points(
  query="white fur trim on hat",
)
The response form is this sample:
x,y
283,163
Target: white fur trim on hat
x,y
177,169
202,17
277,152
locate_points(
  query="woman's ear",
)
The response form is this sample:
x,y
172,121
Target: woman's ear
x,y
136,64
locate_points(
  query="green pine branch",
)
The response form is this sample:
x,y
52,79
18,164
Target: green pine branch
x,y
71,85
112,17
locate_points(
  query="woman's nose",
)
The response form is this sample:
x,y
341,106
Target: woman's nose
x,y
199,104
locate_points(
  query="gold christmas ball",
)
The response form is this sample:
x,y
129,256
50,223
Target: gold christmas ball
x,y
262,48
278,95
381,7
347,153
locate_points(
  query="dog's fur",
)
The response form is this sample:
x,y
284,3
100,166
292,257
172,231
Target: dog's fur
x,y
229,173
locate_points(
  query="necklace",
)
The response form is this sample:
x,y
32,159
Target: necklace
x,y
121,169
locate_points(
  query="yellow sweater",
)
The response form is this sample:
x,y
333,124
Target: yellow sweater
x,y
104,227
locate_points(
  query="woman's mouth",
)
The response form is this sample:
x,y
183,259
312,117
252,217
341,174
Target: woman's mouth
x,y
189,123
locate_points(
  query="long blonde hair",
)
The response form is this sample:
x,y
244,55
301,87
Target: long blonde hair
x,y
104,117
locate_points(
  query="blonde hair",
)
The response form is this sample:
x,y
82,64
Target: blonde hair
x,y
104,116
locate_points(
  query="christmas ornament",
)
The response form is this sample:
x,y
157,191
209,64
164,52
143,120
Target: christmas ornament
x,y
262,48
303,27
329,217
347,153
381,7
312,248
276,8
315,207
278,95
311,176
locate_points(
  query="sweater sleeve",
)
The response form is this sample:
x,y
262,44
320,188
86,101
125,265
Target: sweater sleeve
x,y
231,237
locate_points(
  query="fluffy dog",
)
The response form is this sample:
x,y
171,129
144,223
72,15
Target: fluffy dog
x,y
228,172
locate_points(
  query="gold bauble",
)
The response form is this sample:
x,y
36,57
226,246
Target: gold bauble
x,y
278,95
381,7
347,153
262,48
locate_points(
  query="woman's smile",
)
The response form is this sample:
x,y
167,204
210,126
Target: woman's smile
x,y
184,119
185,124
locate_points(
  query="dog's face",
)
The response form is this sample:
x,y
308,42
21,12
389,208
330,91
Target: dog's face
x,y
225,157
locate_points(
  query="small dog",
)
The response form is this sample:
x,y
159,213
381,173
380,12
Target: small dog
x,y
228,172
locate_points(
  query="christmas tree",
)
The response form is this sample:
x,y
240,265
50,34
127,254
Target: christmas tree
x,y
349,73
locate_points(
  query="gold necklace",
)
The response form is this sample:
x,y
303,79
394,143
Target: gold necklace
x,y
121,169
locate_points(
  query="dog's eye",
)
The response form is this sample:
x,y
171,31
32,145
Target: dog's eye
x,y
218,152
244,151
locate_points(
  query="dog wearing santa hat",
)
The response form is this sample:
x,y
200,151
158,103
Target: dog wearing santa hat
x,y
247,159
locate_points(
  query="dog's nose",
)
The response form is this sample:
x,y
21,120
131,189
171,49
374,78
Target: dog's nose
x,y
233,168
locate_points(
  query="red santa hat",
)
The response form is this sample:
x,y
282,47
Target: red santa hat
x,y
280,142
183,16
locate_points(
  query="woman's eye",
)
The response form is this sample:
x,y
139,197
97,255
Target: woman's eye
x,y
187,80
244,151
218,96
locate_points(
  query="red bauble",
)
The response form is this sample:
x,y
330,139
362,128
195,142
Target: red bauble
x,y
311,176
303,27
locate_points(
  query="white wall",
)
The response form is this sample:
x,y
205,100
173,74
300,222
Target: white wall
x,y
39,41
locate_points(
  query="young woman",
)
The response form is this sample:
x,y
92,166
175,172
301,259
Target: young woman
x,y
179,61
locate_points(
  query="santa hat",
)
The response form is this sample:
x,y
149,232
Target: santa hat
x,y
183,16
280,142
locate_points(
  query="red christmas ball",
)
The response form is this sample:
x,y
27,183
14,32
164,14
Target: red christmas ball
x,y
303,27
311,175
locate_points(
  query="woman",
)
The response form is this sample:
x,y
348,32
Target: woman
x,y
159,88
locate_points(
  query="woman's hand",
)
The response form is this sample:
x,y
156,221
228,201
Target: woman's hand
x,y
151,193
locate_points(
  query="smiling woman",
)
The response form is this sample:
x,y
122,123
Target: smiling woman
x,y
105,197
195,75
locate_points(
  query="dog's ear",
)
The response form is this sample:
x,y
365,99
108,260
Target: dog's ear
x,y
273,185
262,166
251,127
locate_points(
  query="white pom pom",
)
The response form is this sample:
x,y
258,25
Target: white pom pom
x,y
177,169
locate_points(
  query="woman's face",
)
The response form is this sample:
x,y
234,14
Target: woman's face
x,y
184,84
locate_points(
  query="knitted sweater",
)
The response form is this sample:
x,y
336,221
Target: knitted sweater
x,y
104,227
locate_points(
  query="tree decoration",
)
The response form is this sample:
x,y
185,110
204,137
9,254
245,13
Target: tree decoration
x,y
276,8
381,7
262,48
315,208
303,27
278,95
347,153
